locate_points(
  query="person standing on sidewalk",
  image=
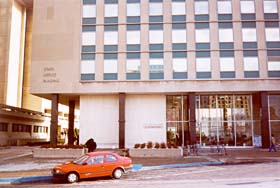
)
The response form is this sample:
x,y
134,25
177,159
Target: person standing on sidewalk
x,y
273,143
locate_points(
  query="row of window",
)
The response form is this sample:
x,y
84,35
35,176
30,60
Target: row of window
x,y
23,128
133,8
40,129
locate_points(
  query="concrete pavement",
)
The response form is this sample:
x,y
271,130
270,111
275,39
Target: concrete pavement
x,y
17,164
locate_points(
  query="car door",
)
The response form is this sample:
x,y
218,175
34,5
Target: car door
x,y
111,163
93,167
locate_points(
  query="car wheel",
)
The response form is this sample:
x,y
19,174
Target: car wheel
x,y
72,177
117,174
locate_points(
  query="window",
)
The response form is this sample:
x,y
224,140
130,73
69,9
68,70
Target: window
x,y
224,7
88,67
201,7
110,37
110,158
249,34
89,11
178,8
273,65
155,9
272,34
247,7
202,35
88,38
270,6
179,65
96,160
3,127
111,10
225,35
133,65
156,65
251,64
203,65
133,37
156,36
133,9
110,65
227,64
179,36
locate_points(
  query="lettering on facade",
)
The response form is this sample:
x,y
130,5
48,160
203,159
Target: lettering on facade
x,y
49,75
153,125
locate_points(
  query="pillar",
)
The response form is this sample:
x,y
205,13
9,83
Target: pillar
x,y
192,125
54,119
264,120
71,120
121,120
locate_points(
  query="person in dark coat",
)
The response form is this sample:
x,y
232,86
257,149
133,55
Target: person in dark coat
x,y
91,145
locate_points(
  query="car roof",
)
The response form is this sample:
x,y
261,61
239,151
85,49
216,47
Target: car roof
x,y
101,153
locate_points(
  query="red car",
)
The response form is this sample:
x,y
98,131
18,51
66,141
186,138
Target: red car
x,y
94,164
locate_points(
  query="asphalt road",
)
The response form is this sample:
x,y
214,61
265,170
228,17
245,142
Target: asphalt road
x,y
234,176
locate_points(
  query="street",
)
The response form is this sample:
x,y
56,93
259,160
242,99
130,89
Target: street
x,y
248,175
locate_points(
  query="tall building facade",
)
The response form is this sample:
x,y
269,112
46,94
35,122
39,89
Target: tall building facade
x,y
206,71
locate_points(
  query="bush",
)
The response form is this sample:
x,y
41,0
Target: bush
x,y
157,145
137,146
63,146
162,145
143,145
149,145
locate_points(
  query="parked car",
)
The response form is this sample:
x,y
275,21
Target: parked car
x,y
94,164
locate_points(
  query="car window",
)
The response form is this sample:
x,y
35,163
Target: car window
x,y
96,160
111,158
81,159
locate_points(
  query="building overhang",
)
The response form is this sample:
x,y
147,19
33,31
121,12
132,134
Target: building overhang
x,y
27,3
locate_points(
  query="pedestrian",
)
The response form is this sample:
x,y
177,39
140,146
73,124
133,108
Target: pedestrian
x,y
91,145
272,143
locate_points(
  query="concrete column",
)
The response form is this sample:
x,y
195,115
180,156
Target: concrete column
x,y
71,122
264,120
192,126
54,119
121,120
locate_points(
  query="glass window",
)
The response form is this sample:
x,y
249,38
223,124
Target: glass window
x,y
133,65
110,66
225,35
133,37
133,9
180,65
111,10
156,36
89,11
270,6
251,64
227,64
272,34
96,160
247,7
249,35
273,65
203,65
110,37
224,7
87,67
201,7
88,38
155,9
156,65
111,158
202,35
179,36
178,8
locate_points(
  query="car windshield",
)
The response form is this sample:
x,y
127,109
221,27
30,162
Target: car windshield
x,y
81,159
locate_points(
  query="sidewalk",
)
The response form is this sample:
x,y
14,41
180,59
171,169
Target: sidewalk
x,y
18,165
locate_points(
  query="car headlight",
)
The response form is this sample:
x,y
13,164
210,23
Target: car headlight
x,y
57,171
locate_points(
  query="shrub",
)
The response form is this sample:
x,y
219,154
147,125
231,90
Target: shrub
x,y
169,145
149,145
63,146
157,145
162,145
143,145
137,146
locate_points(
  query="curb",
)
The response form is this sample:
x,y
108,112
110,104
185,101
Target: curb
x,y
24,179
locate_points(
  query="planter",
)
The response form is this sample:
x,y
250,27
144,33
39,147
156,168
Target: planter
x,y
172,152
58,152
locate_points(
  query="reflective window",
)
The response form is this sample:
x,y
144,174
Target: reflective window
x,y
179,65
202,35
89,11
96,160
247,6
178,8
111,158
274,115
224,7
225,35
133,65
133,9
249,34
273,65
87,67
111,10
88,38
110,65
251,64
227,64
201,7
203,65
272,34
270,6
156,65
133,37
156,36
110,37
179,36
155,9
